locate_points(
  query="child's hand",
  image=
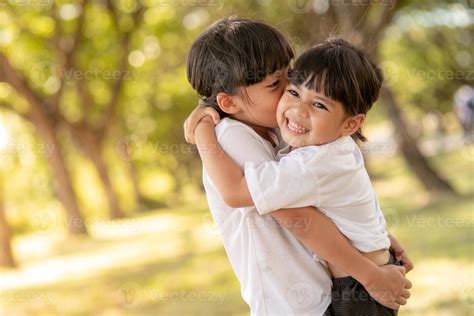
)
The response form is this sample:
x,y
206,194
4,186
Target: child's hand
x,y
195,117
400,253
389,286
205,122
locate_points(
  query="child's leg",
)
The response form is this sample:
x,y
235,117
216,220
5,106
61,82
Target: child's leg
x,y
349,297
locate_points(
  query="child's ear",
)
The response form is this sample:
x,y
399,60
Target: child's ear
x,y
352,124
227,103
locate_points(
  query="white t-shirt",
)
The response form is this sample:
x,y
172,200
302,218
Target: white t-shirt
x,y
331,177
277,274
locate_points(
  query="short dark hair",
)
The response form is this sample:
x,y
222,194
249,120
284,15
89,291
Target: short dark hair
x,y
343,73
235,52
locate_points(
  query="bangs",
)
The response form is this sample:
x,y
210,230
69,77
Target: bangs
x,y
321,70
340,72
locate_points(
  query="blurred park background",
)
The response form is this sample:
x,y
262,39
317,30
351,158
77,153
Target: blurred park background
x,y
101,204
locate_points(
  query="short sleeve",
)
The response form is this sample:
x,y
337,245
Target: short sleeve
x,y
287,183
243,145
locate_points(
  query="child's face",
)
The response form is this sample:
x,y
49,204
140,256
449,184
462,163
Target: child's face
x,y
262,102
306,117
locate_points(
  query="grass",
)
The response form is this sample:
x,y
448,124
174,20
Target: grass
x,y
171,261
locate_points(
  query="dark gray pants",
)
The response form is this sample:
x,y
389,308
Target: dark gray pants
x,y
349,298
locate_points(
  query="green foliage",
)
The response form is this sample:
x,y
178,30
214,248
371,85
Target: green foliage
x,y
428,55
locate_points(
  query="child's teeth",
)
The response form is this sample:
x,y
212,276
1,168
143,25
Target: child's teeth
x,y
296,127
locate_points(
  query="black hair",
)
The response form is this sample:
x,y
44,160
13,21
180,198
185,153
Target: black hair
x,y
343,73
235,52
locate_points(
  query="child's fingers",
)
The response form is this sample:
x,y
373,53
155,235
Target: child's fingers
x,y
402,269
408,265
402,301
406,294
208,111
188,133
215,117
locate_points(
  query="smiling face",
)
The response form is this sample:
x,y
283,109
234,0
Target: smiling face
x,y
306,117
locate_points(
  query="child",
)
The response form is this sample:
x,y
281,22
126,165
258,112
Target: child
x,y
245,61
332,87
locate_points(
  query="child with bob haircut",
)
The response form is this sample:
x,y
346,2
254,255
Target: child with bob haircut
x,y
239,68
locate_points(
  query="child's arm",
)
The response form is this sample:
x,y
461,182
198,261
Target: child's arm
x,y
386,284
224,172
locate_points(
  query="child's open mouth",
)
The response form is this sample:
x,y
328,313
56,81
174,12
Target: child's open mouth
x,y
296,128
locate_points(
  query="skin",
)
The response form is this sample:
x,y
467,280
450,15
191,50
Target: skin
x,y
386,284
256,104
306,118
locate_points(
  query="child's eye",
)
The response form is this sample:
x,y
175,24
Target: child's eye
x,y
273,85
293,93
321,106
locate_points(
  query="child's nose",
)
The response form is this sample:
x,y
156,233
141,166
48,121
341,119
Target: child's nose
x,y
302,110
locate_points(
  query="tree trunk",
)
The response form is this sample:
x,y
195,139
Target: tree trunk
x,y
142,201
6,255
64,187
95,156
409,149
92,149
